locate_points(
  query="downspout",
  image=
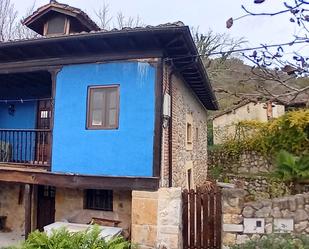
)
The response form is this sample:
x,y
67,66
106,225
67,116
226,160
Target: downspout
x,y
170,133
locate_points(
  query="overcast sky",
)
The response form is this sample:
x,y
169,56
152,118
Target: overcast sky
x,y
205,14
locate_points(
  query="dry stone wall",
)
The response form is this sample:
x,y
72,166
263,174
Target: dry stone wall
x,y
248,171
11,207
243,221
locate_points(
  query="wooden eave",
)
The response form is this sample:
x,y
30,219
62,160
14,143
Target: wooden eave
x,y
61,180
175,43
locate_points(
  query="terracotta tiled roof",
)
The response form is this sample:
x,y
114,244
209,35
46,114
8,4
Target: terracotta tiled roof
x,y
114,30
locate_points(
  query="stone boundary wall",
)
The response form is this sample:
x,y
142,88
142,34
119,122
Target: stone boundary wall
x,y
157,219
249,172
250,162
243,221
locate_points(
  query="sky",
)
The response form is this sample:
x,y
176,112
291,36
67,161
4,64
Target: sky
x,y
204,14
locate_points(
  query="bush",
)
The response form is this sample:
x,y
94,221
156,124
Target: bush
x,y
275,241
63,239
289,132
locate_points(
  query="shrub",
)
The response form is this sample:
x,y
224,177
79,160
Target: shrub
x,y
63,239
289,132
275,241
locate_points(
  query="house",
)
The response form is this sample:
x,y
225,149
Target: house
x,y
224,122
87,116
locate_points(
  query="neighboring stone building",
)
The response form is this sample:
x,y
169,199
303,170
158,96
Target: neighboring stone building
x,y
224,123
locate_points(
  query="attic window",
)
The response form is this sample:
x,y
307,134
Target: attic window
x,y
56,25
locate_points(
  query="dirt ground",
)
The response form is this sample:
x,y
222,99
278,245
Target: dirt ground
x,y
10,239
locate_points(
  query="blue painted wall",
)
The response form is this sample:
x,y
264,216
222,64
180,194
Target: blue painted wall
x,y
127,151
23,118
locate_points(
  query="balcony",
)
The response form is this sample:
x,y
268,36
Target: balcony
x,y
27,147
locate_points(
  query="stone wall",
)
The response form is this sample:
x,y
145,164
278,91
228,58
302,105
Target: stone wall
x,y
251,220
70,207
184,103
248,171
250,162
9,207
156,219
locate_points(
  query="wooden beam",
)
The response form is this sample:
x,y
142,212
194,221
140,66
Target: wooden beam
x,y
77,181
158,120
37,65
28,208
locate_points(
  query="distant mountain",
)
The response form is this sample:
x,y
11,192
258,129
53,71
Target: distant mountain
x,y
234,76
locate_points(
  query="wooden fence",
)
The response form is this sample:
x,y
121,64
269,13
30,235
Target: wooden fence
x,y
202,218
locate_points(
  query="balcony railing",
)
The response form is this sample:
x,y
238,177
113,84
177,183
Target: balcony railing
x,y
27,147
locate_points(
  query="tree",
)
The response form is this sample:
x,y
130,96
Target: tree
x,y
277,77
8,17
107,22
10,25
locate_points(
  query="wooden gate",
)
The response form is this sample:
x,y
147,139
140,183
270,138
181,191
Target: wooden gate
x,y
202,218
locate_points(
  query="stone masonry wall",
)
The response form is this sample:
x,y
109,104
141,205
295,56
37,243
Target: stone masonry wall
x,y
250,162
156,219
185,102
9,206
248,171
288,214
70,206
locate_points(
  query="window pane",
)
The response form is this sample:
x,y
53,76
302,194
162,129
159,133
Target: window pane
x,y
56,25
97,118
112,117
98,99
112,98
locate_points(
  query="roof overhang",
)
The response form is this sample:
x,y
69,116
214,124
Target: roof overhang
x,y
175,43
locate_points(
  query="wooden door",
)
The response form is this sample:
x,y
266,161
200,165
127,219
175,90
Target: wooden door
x,y
46,206
43,139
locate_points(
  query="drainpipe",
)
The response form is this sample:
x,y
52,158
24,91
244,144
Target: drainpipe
x,y
170,135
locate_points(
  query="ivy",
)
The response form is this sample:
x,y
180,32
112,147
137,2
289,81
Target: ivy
x,y
289,132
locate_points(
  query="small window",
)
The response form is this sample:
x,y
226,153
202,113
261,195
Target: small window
x,y
189,133
103,107
99,199
196,134
189,176
56,25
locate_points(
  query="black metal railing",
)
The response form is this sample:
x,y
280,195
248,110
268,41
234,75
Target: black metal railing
x,y
30,147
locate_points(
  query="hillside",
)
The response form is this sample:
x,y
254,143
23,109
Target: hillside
x,y
234,76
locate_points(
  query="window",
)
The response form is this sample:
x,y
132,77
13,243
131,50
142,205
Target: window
x,y
99,199
189,133
56,25
103,107
189,176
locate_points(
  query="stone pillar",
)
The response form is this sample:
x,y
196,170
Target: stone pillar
x,y
144,219
169,226
157,219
